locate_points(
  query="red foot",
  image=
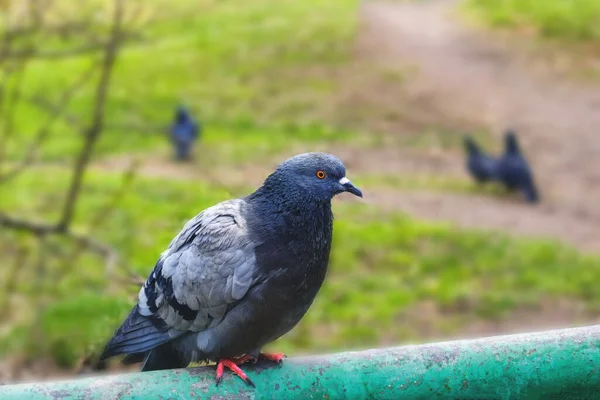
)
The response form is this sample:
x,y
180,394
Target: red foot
x,y
232,364
244,359
277,357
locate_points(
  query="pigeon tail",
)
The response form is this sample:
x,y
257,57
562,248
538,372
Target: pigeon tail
x,y
531,194
163,357
138,334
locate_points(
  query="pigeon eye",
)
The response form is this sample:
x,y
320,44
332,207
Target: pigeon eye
x,y
321,174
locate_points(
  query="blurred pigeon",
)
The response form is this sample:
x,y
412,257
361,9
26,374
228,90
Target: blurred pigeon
x,y
480,165
514,171
184,132
239,275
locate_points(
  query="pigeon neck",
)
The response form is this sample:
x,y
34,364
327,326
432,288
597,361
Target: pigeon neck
x,y
472,149
512,146
292,206
294,222
290,199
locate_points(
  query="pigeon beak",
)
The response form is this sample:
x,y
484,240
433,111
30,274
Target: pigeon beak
x,y
349,187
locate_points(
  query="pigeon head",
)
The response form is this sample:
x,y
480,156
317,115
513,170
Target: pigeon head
x,y
318,176
470,145
181,114
511,144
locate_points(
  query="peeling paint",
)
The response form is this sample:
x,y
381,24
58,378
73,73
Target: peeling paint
x,y
557,364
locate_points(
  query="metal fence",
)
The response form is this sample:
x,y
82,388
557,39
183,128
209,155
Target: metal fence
x,y
560,364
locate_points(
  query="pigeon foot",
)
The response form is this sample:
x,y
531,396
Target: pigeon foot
x,y
232,365
276,357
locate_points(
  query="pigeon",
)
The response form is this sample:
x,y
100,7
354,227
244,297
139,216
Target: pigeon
x,y
239,275
480,165
184,132
514,171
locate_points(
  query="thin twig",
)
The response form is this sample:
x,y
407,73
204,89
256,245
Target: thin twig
x,y
77,123
8,111
111,256
41,229
97,120
60,29
103,213
45,130
12,277
32,53
36,228
35,54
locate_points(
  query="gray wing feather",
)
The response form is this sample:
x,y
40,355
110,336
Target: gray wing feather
x,y
209,265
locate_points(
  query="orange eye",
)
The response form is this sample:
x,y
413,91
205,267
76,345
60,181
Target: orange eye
x,y
320,174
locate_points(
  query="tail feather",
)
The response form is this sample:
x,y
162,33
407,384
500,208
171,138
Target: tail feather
x,y
164,357
134,358
531,194
161,357
139,345
137,334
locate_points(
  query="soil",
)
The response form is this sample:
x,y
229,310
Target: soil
x,y
477,79
460,78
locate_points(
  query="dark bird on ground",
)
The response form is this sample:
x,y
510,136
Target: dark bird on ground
x,y
514,171
239,275
480,165
184,132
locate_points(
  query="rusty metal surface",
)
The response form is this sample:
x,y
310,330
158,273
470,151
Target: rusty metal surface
x,y
562,364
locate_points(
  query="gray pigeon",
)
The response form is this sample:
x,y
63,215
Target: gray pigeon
x,y
239,275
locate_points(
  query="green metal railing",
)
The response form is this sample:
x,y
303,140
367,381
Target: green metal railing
x,y
561,364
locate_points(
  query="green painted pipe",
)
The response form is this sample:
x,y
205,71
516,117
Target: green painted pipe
x,y
561,364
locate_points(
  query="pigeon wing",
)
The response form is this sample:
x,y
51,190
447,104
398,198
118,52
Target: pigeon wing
x,y
206,268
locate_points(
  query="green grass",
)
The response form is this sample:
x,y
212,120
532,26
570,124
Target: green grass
x,y
383,265
431,183
566,19
255,72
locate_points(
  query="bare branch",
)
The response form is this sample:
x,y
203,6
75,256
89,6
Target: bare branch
x,y
88,242
45,130
11,279
97,120
42,230
76,122
111,256
36,228
62,29
34,53
21,44
103,213
7,111
52,108
93,45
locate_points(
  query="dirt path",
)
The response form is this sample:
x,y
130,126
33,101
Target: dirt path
x,y
468,75
480,212
463,79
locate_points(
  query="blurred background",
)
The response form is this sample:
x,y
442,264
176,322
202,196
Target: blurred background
x,y
97,173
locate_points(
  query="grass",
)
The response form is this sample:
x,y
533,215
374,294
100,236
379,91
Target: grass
x,y
253,72
383,265
564,19
431,183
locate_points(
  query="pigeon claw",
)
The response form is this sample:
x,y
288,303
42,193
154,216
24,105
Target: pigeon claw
x,y
244,359
276,357
232,365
